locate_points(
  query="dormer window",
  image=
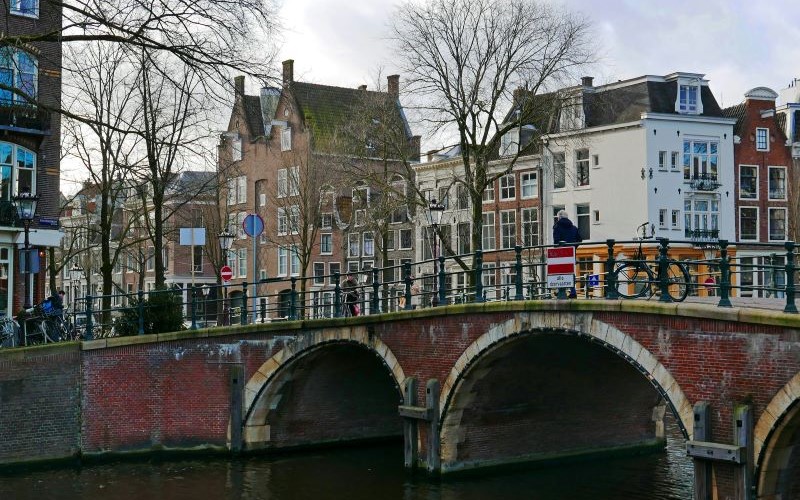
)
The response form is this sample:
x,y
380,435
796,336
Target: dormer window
x,y
688,99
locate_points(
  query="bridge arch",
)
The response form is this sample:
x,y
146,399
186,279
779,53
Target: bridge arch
x,y
267,389
456,389
777,443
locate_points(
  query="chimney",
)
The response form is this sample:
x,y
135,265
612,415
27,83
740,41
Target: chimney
x,y
519,93
288,71
415,145
586,81
431,153
362,87
238,85
393,85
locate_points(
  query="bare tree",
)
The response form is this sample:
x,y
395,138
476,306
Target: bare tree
x,y
464,59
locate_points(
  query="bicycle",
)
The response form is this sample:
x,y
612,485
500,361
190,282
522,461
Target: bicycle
x,y
9,332
637,277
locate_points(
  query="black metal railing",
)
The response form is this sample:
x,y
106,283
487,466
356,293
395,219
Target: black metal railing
x,y
704,182
24,116
701,234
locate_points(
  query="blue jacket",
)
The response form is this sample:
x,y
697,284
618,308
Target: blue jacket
x,y
564,230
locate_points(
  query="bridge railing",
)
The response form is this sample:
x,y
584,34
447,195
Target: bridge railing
x,y
717,272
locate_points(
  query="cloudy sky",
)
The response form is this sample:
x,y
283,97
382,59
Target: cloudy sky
x,y
737,44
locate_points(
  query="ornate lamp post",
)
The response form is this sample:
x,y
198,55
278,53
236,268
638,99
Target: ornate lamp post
x,y
206,289
25,203
225,243
75,275
436,210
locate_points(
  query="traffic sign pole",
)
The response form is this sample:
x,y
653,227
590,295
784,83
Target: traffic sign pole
x,y
253,226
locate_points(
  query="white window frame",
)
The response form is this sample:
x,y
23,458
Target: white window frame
x,y
283,222
675,222
286,138
294,261
322,238
529,181
508,187
293,181
689,100
16,9
488,193
353,245
741,234
582,164
283,261
508,229
488,237
236,148
283,183
15,68
662,218
529,226
400,241
762,133
368,250
560,165
242,264
662,160
741,168
785,223
769,187
675,161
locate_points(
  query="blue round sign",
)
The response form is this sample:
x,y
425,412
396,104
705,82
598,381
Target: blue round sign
x,y
253,225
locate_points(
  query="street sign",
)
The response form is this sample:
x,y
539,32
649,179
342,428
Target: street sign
x,y
594,280
253,225
561,267
226,273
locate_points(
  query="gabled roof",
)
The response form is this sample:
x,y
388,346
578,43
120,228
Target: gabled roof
x,y
737,112
251,106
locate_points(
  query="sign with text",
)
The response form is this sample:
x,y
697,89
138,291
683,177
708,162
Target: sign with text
x,y
561,267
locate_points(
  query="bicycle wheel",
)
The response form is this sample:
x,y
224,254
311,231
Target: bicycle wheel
x,y
679,281
633,280
9,334
49,331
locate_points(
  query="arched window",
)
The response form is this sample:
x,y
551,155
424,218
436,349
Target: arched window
x,y
17,170
19,70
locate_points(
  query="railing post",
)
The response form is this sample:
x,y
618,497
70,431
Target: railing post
x,y
408,281
518,271
376,286
89,327
194,308
337,296
663,264
791,307
611,276
140,309
478,276
293,299
724,275
442,280
243,321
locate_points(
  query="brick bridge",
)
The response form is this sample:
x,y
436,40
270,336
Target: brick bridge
x,y
498,383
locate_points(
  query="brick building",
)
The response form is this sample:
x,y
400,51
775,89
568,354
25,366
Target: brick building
x,y
308,159
29,146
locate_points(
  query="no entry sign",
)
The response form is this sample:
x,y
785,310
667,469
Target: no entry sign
x,y
561,267
226,273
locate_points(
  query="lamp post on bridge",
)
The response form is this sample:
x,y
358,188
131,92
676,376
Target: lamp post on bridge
x,y
225,243
75,275
25,203
436,209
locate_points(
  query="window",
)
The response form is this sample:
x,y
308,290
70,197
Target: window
x,y
462,197
777,183
390,240
197,259
595,161
242,262
236,148
326,220
700,159
529,183
508,228
237,190
283,182
444,197
582,166
596,216
556,209
19,70
488,193
283,222
701,217
662,160
151,258
354,245
762,139
530,226
748,223
18,170
283,261
334,269
487,234
777,224
748,182
676,217
295,262
508,188
687,100
294,219
25,7
464,236
559,171
326,243
286,138
369,244
489,276
673,163
293,181
406,238
662,217
583,221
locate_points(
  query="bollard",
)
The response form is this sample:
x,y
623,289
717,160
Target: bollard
x,y
611,276
518,271
791,307
478,276
141,312
89,327
194,309
337,297
724,275
663,264
408,280
442,279
293,299
375,306
244,304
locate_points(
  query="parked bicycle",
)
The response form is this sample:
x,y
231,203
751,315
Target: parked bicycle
x,y
46,324
638,277
9,332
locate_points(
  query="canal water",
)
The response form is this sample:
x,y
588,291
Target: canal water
x,y
366,473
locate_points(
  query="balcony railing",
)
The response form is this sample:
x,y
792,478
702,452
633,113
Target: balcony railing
x,y
702,234
704,182
23,116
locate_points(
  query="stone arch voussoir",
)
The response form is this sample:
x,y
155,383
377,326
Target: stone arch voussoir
x,y
773,415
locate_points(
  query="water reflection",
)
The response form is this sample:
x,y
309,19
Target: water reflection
x,y
354,474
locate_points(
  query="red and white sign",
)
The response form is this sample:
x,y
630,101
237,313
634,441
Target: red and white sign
x,y
561,267
226,273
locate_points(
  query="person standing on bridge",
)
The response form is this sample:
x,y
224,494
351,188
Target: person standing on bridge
x,y
564,231
350,292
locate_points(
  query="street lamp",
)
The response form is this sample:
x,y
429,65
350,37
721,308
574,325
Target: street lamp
x,y
436,210
225,243
206,289
25,203
75,275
